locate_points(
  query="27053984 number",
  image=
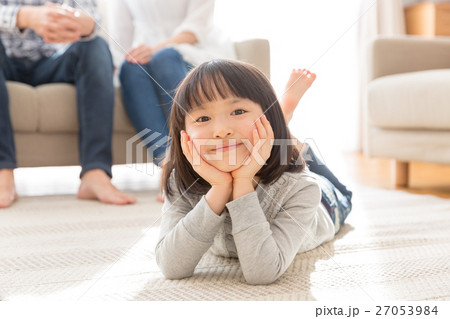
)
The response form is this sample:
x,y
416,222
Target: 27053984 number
x,y
406,310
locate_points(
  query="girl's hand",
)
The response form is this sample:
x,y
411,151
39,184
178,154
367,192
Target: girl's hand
x,y
208,172
142,55
262,146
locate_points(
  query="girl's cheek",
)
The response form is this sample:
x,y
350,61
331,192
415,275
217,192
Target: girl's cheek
x,y
192,133
197,132
193,130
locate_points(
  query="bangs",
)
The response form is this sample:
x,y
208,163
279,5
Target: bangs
x,y
210,88
214,81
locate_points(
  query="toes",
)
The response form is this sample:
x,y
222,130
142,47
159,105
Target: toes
x,y
118,198
113,199
131,199
118,201
125,198
7,200
4,203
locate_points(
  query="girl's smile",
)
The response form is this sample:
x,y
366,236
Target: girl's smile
x,y
227,147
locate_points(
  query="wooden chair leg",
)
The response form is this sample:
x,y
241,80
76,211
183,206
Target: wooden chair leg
x,y
400,173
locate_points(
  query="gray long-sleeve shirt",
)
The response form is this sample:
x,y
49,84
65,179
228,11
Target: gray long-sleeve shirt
x,y
265,229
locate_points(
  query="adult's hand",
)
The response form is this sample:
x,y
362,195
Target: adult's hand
x,y
141,54
53,23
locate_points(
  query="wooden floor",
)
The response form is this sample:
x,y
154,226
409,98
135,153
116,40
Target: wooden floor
x,y
424,178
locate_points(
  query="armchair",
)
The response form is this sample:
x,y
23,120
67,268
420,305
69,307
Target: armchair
x,y
407,117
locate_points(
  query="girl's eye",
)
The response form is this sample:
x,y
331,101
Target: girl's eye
x,y
239,112
202,119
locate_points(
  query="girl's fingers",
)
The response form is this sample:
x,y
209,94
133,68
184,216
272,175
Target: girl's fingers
x,y
268,128
269,131
260,127
255,136
183,143
185,147
247,160
189,150
192,149
197,160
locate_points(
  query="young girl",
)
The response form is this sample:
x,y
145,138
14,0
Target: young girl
x,y
234,181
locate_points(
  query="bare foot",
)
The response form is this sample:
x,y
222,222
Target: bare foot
x,y
7,188
96,184
299,82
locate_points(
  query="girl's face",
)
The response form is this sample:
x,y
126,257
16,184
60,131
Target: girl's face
x,y
222,131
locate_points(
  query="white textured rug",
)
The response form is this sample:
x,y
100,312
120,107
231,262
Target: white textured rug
x,y
395,246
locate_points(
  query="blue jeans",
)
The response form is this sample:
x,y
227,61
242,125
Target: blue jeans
x,y
89,66
336,198
147,92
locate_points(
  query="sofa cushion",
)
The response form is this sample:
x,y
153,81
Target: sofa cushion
x,y
51,108
417,100
23,108
57,108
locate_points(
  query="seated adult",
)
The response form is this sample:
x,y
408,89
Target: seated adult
x,y
155,43
47,43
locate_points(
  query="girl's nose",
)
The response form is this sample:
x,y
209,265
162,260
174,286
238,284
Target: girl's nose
x,y
223,131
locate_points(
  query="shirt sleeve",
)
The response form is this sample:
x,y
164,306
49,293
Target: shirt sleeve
x,y
121,30
199,19
8,18
186,234
266,249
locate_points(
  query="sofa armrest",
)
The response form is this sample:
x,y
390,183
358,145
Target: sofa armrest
x,y
255,52
401,54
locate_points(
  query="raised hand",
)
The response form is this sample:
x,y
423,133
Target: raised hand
x,y
262,146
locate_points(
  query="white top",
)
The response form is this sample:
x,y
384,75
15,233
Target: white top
x,y
150,22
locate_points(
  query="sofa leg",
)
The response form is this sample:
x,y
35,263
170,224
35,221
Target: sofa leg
x,y
400,173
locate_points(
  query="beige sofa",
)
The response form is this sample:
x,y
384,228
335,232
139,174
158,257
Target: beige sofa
x,y
45,120
408,110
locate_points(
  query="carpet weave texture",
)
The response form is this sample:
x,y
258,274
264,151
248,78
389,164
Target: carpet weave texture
x,y
394,246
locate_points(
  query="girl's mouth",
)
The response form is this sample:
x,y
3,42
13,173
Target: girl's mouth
x,y
227,147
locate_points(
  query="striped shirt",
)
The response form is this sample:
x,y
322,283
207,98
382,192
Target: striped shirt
x,y
26,44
